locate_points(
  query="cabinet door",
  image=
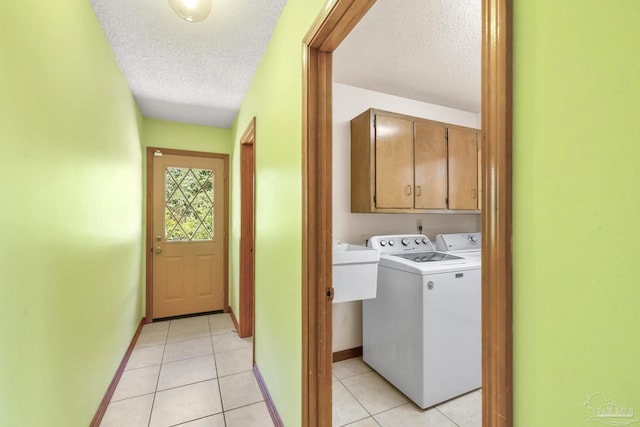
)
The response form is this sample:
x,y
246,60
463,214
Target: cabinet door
x,y
394,162
463,169
430,166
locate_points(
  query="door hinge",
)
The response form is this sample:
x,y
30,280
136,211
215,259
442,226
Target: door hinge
x,y
330,294
446,134
446,202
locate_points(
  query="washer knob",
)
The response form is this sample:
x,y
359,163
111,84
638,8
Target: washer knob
x,y
405,242
424,241
418,241
391,243
383,243
473,239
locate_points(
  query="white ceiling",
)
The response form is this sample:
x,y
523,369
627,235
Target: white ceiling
x,y
189,72
427,50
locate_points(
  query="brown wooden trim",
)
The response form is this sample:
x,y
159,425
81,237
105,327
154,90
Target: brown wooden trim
x,y
149,240
350,353
233,318
324,36
149,225
331,27
249,135
497,380
247,230
275,417
97,418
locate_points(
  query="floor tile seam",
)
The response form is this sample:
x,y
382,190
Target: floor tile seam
x,y
131,397
446,416
142,367
195,419
186,358
138,368
199,337
227,351
389,409
235,373
356,399
244,405
356,375
358,420
147,346
220,352
187,384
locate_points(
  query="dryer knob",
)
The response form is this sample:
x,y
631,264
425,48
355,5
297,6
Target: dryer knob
x,y
383,243
391,243
418,241
405,242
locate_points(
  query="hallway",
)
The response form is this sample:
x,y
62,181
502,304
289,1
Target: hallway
x,y
197,372
193,372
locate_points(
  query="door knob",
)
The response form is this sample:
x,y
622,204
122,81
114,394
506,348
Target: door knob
x,y
157,250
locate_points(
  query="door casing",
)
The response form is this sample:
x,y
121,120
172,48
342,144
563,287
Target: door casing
x,y
324,36
247,230
149,224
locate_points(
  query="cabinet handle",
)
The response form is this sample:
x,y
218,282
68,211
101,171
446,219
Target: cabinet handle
x,y
418,191
408,190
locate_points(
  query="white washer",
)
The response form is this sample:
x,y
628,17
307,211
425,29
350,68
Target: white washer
x,y
468,245
422,332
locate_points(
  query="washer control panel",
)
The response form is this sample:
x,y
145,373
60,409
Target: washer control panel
x,y
401,243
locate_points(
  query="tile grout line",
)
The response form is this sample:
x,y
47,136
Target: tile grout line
x,y
215,361
155,391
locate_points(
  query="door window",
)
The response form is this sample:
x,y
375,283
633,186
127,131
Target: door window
x,y
189,200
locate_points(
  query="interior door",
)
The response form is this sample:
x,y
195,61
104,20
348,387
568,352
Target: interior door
x,y
188,234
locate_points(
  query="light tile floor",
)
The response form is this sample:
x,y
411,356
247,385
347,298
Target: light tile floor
x,y
192,372
362,398
197,372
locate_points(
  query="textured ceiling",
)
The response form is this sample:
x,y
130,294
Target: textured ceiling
x,y
189,72
427,50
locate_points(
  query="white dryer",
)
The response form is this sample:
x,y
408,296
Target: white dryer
x,y
422,332
468,245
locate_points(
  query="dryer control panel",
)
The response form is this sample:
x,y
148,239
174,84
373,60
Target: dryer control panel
x,y
459,242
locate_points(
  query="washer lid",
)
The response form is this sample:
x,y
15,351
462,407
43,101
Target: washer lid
x,y
459,242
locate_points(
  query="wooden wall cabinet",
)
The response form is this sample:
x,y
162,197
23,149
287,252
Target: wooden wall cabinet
x,y
404,164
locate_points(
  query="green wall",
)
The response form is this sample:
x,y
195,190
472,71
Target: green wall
x,y
275,99
71,182
181,136
576,191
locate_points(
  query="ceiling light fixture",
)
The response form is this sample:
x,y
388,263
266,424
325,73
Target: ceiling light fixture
x,y
191,10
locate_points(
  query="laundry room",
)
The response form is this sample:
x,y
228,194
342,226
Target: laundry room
x,y
436,90
357,228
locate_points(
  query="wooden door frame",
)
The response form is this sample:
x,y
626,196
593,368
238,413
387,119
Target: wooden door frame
x,y
247,242
331,28
149,226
